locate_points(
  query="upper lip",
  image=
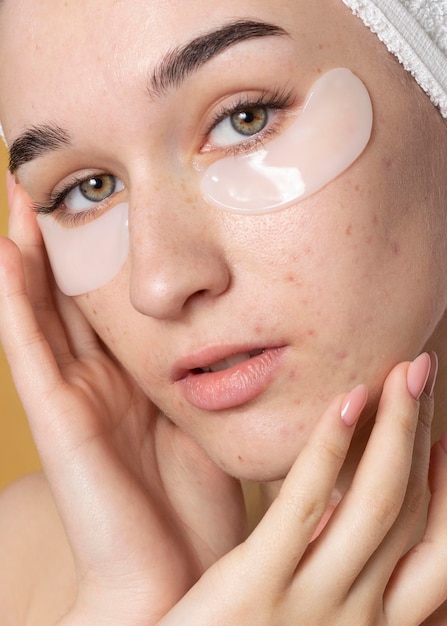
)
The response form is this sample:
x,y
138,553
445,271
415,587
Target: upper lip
x,y
208,356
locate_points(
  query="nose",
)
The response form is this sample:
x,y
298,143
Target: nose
x,y
176,259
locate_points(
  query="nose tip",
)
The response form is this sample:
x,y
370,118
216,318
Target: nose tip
x,y
164,286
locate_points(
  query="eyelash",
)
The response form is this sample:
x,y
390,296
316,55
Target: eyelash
x,y
279,100
69,218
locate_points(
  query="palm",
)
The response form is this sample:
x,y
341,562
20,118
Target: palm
x,y
147,483
145,510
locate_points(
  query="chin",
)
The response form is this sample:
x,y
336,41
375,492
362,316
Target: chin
x,y
269,466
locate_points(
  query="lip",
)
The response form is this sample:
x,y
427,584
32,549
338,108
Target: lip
x,y
216,391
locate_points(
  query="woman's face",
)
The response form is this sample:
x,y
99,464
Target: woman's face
x,y
310,300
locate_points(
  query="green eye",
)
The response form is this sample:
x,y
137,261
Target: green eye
x,y
98,188
250,121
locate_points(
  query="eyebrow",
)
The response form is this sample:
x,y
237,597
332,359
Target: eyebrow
x,y
35,142
173,69
180,62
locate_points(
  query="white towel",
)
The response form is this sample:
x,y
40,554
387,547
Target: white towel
x,y
415,31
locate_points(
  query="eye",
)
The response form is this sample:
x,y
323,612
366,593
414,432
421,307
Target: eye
x,y
92,191
243,123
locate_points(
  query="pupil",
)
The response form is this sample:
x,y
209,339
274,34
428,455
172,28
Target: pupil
x,y
247,117
98,188
96,183
250,121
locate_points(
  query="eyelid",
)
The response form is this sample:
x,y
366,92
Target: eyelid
x,y
280,100
56,199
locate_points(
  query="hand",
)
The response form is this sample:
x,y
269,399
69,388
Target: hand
x,y
145,510
360,570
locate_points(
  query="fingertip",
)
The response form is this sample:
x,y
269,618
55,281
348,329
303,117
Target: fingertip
x,y
417,375
431,380
353,404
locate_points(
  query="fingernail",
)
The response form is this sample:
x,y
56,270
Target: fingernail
x,y
431,380
353,404
418,374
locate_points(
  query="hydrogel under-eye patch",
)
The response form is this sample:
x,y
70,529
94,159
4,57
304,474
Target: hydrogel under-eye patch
x,y
86,257
327,136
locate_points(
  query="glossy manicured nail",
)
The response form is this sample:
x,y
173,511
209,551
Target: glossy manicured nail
x,y
353,404
431,380
418,374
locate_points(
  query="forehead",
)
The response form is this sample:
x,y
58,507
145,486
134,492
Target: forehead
x,y
71,56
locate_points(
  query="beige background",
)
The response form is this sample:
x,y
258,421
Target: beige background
x,y
17,453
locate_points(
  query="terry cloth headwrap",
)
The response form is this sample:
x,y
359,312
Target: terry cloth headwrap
x,y
415,31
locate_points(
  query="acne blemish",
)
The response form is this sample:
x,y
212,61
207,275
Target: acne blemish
x,y
395,246
341,356
291,278
349,230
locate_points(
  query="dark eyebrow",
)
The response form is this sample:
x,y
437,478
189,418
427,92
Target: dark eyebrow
x,y
180,62
171,71
35,142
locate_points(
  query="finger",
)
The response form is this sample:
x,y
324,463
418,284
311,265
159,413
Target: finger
x,y
81,338
403,533
39,283
209,503
21,336
419,583
375,498
283,535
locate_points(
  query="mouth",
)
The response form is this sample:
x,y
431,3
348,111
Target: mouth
x,y
223,378
228,362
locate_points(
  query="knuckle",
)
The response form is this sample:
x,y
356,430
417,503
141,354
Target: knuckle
x,y
332,449
383,508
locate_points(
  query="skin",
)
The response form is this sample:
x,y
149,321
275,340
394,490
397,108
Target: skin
x,y
197,277
172,287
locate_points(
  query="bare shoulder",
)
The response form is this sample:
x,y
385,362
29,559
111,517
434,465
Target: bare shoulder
x,y
37,576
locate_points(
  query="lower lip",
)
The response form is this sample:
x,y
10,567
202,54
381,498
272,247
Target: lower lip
x,y
216,391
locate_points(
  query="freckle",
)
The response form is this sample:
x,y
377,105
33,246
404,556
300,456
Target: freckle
x,y
258,330
357,188
349,230
95,312
292,375
240,458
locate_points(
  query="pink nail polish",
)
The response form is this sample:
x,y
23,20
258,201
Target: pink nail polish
x,y
353,405
431,380
418,374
